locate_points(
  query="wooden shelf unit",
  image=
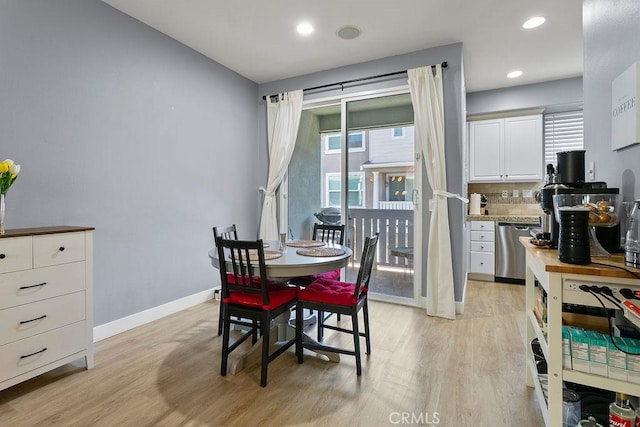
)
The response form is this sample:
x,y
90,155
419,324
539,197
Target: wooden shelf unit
x,y
543,265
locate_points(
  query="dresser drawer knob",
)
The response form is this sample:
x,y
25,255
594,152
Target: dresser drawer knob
x,y
32,286
2,256
61,248
22,322
33,354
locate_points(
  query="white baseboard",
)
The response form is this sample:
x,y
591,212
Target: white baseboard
x,y
138,319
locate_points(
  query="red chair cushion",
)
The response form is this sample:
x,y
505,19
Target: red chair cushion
x,y
329,275
329,292
278,295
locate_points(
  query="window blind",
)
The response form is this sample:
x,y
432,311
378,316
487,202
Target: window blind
x,y
562,132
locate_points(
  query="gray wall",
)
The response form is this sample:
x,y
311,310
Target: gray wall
x,y
611,45
121,128
454,122
553,96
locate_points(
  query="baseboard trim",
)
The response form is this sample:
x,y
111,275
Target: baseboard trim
x,y
138,319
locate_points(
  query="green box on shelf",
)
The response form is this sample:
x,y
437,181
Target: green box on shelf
x,y
566,348
579,350
597,353
616,359
633,360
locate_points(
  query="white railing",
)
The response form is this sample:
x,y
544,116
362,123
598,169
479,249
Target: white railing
x,y
395,228
407,206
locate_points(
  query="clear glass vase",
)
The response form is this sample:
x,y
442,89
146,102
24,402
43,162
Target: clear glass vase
x,y
1,213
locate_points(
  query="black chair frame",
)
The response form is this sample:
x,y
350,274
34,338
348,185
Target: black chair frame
x,y
244,270
364,275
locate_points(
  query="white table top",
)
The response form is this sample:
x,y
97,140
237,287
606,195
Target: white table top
x,y
291,264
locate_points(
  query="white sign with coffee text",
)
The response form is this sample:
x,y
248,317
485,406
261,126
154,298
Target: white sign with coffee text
x,y
625,124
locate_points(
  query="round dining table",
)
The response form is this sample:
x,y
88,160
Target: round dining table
x,y
292,264
289,264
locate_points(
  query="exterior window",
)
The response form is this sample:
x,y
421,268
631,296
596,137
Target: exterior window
x,y
397,133
400,188
356,189
332,142
562,132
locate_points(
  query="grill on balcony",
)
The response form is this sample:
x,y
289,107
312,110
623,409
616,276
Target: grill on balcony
x,y
329,216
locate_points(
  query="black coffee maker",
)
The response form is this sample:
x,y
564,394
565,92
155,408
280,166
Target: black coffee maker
x,y
568,178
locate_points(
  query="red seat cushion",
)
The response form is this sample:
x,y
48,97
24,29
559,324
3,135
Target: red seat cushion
x,y
329,292
278,295
328,275
306,280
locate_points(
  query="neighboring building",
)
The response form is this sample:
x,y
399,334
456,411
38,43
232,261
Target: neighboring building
x,y
381,168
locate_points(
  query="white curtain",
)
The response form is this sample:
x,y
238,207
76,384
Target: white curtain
x,y
283,120
428,107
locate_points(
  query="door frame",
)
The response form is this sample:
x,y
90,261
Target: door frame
x,y
418,300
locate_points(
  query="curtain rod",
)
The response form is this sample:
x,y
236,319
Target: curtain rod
x,y
362,79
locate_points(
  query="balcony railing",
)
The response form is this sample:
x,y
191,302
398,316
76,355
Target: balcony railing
x,y
394,225
395,205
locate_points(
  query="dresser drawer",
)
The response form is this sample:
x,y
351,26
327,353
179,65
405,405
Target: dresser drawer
x,y
31,353
59,248
23,287
482,236
480,262
483,225
482,246
23,321
15,254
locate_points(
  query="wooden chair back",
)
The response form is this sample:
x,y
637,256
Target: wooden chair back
x,y
247,271
366,265
328,233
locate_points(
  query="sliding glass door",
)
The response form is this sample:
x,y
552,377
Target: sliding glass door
x,y
356,157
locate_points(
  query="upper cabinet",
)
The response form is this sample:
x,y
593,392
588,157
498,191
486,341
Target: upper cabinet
x,y
509,149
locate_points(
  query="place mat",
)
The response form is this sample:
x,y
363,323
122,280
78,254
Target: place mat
x,y
320,251
305,243
268,254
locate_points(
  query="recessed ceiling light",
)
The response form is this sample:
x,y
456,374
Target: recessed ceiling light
x,y
304,28
534,22
514,74
348,32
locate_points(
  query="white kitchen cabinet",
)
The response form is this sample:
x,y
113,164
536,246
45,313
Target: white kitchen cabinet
x,y
482,251
509,149
46,300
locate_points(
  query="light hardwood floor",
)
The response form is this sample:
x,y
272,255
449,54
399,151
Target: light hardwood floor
x,y
470,371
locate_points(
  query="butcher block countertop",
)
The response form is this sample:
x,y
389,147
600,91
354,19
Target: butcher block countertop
x,y
549,257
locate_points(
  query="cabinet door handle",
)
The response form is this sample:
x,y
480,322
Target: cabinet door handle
x,y
22,322
481,263
32,286
61,248
34,353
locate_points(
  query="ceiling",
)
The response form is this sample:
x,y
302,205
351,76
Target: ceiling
x,y
258,38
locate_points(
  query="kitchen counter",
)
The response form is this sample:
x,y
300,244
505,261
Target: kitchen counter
x,y
549,258
505,218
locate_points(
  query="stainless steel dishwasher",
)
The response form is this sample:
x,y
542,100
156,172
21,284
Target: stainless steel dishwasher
x,y
510,254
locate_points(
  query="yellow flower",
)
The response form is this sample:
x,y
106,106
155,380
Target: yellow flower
x,y
4,167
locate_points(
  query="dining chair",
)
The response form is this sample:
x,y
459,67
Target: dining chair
x,y
341,298
330,234
247,294
228,232
325,233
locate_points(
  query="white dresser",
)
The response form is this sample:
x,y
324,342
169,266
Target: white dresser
x,y
481,251
46,300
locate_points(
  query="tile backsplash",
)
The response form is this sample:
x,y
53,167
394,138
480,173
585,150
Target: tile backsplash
x,y
510,205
